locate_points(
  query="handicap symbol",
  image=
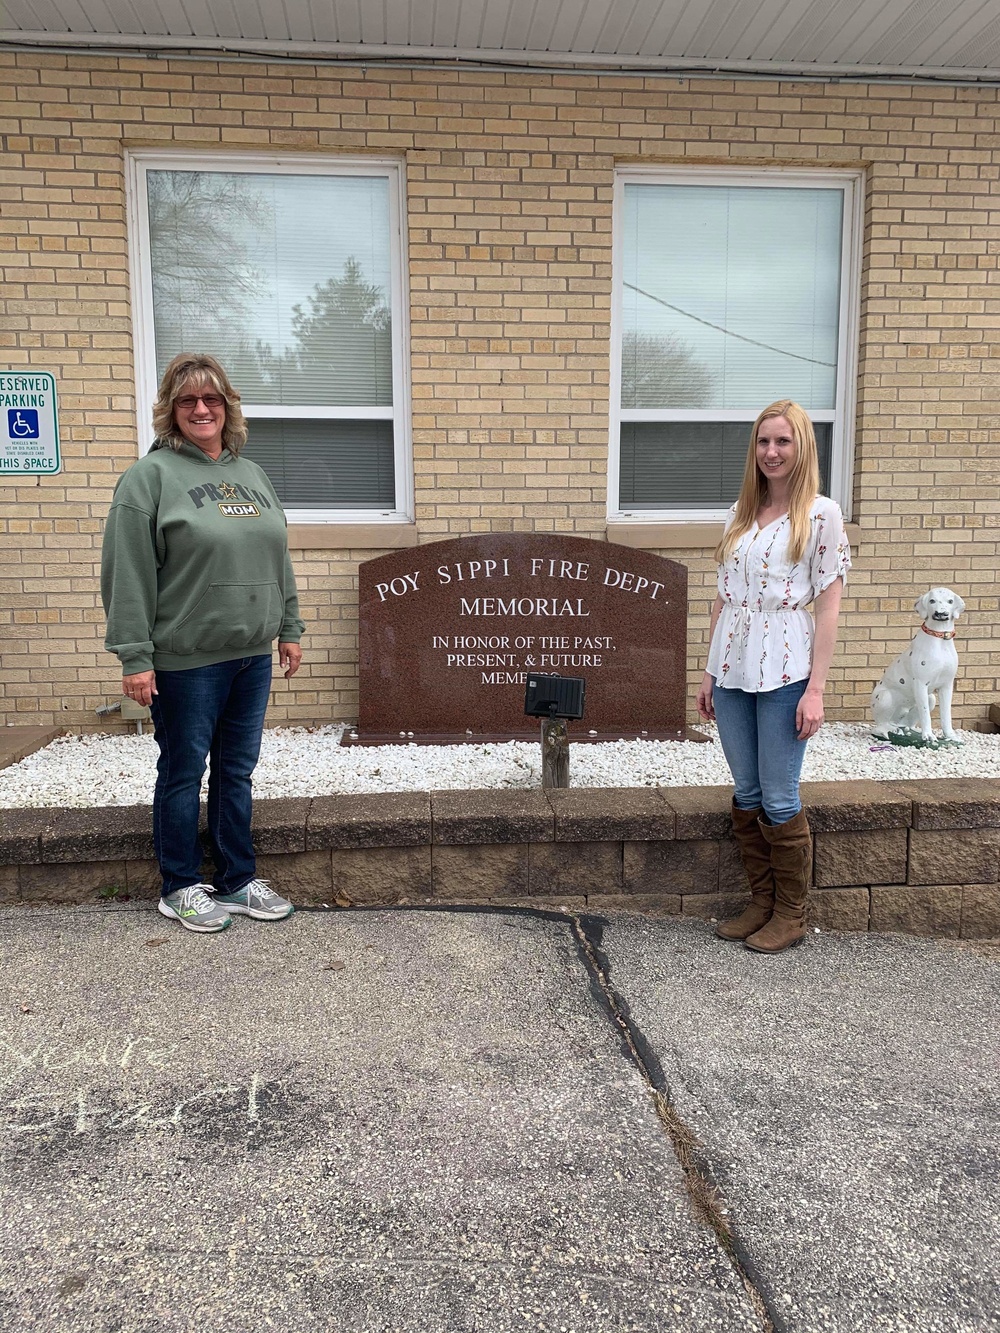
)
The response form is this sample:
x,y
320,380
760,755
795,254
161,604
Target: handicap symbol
x,y
22,425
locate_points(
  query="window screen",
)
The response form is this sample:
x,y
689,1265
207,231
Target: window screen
x,y
286,279
730,297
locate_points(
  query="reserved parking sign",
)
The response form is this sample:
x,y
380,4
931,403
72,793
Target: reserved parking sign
x,y
29,423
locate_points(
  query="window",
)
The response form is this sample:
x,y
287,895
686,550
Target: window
x,y
731,291
290,272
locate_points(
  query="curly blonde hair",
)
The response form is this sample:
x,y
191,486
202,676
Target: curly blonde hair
x,y
803,483
188,372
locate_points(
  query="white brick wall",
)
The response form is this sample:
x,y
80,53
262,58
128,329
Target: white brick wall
x,y
509,185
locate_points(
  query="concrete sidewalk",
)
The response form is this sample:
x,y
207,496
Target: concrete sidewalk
x,y
447,1120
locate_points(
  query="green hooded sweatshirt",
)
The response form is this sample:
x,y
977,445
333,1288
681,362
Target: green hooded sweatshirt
x,y
195,566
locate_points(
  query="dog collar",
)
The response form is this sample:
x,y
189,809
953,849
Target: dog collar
x,y
939,633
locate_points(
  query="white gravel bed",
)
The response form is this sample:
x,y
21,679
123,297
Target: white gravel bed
x,y
96,770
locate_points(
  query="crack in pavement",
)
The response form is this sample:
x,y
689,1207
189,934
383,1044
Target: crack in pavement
x,y
705,1195
707,1199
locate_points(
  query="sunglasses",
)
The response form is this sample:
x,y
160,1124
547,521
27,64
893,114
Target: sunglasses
x,y
211,400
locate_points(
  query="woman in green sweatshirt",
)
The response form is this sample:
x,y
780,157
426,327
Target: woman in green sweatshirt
x,y
197,584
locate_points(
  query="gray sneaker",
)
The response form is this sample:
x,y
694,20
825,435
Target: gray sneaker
x,y
196,909
257,899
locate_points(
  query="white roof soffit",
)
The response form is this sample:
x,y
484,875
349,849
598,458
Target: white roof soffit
x,y
821,39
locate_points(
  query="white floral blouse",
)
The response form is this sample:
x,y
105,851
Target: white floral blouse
x,y
763,639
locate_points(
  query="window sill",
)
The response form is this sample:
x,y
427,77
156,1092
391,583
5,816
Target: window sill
x,y
351,536
672,536
664,536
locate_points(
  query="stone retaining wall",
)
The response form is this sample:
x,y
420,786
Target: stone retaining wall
x,y
921,857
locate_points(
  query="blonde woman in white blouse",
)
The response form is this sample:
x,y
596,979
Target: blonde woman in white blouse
x,y
783,548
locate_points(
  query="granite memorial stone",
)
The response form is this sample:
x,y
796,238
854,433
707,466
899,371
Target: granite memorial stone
x,y
448,632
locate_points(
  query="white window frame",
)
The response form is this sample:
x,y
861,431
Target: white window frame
x,y
851,182
138,163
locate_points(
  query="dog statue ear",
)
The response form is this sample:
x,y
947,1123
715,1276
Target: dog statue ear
x,y
920,605
959,605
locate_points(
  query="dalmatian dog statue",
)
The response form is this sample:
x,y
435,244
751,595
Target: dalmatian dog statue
x,y
923,674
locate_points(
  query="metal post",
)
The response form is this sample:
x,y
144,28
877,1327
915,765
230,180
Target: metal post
x,y
555,752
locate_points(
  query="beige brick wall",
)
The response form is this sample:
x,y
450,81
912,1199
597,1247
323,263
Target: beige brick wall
x,y
509,185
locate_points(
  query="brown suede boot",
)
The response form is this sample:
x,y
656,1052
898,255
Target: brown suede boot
x,y
755,852
791,861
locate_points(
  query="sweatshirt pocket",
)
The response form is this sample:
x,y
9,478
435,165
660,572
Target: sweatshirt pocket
x,y
229,615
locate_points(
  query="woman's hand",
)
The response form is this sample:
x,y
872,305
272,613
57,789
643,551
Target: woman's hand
x,y
141,687
289,658
706,709
809,714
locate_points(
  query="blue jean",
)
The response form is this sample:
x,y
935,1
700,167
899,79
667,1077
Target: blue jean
x,y
214,712
762,749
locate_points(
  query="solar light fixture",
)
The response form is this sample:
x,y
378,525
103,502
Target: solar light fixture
x,y
553,696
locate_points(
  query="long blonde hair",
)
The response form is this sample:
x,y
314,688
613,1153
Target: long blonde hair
x,y
803,483
187,371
